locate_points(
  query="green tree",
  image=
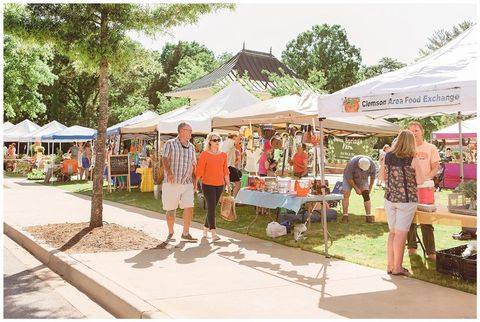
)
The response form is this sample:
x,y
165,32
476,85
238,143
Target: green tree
x,y
385,65
73,97
442,37
95,35
430,124
287,85
326,49
128,95
26,68
173,76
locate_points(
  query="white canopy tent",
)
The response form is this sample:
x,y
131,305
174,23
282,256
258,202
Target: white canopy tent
x,y
72,133
442,83
147,115
150,125
301,109
200,115
7,125
469,129
18,132
45,130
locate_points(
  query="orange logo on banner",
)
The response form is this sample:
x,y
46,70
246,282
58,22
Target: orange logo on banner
x,y
351,104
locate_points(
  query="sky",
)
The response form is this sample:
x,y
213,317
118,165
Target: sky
x,y
395,30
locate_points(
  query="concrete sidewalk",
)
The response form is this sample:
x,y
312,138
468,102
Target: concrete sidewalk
x,y
239,277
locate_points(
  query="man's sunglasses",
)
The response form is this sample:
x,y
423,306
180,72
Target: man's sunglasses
x,y
215,140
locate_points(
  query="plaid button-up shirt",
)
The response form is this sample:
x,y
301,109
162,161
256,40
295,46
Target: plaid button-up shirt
x,y
182,160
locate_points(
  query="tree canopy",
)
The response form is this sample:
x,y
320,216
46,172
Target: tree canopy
x,y
25,69
385,65
324,49
441,37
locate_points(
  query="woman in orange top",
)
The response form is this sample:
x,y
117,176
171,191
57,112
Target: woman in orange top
x,y
212,168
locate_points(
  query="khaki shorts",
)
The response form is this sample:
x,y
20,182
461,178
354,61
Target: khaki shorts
x,y
176,195
400,214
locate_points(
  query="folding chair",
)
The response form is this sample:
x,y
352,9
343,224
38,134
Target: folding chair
x,y
337,189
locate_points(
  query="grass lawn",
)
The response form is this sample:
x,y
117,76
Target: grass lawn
x,y
356,242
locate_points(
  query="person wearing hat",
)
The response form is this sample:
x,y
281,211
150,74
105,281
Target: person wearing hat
x,y
355,176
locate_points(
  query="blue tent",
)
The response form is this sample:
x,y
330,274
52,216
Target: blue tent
x,y
115,129
73,133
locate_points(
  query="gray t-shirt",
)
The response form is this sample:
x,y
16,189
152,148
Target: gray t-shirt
x,y
360,177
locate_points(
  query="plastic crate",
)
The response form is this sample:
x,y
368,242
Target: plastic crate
x,y
451,262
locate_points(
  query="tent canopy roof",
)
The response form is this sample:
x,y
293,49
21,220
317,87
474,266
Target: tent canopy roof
x,y
147,115
451,70
302,109
72,133
16,133
469,130
151,124
7,125
200,115
47,129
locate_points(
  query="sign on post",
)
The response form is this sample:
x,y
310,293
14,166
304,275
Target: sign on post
x,y
118,165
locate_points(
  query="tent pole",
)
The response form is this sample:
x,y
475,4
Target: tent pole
x,y
322,173
460,139
284,150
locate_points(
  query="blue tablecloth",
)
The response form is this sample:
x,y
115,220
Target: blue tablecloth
x,y
279,200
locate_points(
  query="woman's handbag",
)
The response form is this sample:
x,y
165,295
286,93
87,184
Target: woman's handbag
x,y
227,208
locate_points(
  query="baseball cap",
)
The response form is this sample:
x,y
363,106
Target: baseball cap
x,y
364,164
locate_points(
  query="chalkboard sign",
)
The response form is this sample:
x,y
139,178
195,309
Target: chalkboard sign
x,y
119,165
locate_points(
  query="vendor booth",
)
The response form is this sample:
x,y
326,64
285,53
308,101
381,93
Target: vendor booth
x,y
441,83
301,110
17,133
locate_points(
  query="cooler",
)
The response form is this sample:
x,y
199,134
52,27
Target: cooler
x,y
426,192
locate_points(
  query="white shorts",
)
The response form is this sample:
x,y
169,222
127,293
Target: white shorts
x,y
175,195
400,214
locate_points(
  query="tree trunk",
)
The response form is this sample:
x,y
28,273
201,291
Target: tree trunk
x,y
96,214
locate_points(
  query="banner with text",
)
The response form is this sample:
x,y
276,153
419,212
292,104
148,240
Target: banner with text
x,y
346,148
401,101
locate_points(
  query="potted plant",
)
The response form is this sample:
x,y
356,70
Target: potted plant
x,y
469,189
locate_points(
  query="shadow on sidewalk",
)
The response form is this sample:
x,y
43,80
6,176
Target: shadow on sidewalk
x,y
75,239
182,252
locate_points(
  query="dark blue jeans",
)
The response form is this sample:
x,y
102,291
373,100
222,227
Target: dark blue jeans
x,y
212,195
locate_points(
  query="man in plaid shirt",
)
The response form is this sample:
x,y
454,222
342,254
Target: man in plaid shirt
x,y
177,190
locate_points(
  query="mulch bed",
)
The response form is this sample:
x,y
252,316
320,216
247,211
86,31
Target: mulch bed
x,y
79,238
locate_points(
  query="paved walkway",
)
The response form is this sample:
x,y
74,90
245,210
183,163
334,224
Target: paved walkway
x,y
239,277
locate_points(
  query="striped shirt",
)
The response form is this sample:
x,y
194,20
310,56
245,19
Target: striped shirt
x,y
182,160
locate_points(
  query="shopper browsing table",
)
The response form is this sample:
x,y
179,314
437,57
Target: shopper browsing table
x,y
356,176
429,160
400,170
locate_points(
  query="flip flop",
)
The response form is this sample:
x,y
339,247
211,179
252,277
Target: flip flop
x,y
404,272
